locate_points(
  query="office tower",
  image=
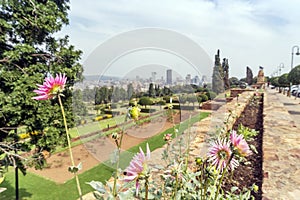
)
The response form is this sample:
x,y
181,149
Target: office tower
x,y
169,77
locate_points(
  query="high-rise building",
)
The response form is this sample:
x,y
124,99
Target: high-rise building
x,y
169,77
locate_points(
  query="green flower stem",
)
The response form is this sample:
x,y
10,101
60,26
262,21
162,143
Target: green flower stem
x,y
119,144
201,180
188,143
146,188
176,186
69,146
224,171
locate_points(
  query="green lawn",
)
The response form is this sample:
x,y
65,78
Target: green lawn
x,y
33,187
96,126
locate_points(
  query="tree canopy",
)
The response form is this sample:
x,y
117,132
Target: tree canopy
x,y
294,75
29,52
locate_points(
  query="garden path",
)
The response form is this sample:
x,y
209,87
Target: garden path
x,y
281,147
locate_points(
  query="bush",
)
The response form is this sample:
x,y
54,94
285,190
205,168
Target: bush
x,y
147,110
212,95
176,107
145,101
203,97
111,112
174,99
161,102
132,102
114,106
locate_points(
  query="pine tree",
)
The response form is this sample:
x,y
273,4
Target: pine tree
x,y
217,77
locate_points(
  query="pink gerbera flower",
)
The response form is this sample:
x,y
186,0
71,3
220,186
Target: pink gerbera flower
x,y
240,144
138,168
220,154
51,87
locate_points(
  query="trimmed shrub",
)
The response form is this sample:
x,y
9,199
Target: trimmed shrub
x,y
212,95
147,110
203,97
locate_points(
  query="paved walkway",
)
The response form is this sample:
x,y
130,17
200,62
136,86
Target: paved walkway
x,y
281,147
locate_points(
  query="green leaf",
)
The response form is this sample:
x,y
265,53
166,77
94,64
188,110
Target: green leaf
x,y
98,186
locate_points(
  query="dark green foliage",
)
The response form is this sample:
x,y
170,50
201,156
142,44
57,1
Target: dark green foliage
x,y
147,110
191,98
294,75
28,53
161,102
79,108
211,95
102,95
166,91
283,80
182,99
145,101
151,92
203,97
234,82
274,81
130,91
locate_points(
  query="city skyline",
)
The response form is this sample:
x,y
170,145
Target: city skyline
x,y
248,32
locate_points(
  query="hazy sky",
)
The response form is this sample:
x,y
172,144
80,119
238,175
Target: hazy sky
x,y
248,32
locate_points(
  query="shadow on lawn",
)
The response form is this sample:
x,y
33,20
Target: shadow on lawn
x,y
10,192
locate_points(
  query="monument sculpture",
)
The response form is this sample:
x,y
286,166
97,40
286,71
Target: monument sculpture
x,y
249,76
260,78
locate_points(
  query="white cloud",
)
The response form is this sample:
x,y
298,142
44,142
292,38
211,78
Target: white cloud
x,y
248,32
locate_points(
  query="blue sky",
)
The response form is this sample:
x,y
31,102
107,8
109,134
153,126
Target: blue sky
x,y
248,32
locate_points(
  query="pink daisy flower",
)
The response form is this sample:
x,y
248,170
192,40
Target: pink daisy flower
x,y
220,154
137,168
51,87
240,144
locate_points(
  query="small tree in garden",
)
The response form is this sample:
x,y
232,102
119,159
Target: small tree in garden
x,y
283,80
274,81
29,52
145,101
294,75
182,98
191,98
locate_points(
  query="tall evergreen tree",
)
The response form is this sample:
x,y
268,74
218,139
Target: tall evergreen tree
x,y
217,77
151,91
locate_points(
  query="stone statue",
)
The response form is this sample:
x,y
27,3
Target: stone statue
x,y
261,77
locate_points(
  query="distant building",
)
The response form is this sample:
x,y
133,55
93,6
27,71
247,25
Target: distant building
x,y
188,79
153,76
169,77
196,80
203,80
